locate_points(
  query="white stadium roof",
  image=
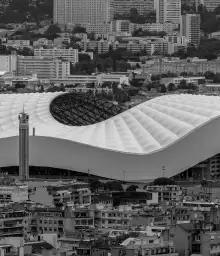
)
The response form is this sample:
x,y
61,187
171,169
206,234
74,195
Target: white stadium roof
x,y
175,131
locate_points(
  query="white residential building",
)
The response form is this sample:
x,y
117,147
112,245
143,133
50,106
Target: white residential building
x,y
18,42
168,11
66,54
209,4
8,63
44,67
82,11
154,27
142,6
14,193
190,28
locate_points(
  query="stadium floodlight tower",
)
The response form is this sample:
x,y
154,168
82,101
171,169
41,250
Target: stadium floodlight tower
x,y
23,146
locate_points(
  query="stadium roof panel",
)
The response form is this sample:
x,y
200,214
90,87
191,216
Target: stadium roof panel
x,y
144,129
153,132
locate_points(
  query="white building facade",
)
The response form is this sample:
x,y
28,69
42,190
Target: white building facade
x,y
82,11
66,54
168,11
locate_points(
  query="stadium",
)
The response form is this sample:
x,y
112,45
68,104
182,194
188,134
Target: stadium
x,y
163,136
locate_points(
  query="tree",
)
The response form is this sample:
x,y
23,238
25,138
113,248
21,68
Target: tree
x,y
114,186
79,29
163,181
20,85
192,86
95,184
209,75
91,36
204,183
84,57
201,8
53,30
171,87
138,65
182,84
216,78
183,74
132,188
162,88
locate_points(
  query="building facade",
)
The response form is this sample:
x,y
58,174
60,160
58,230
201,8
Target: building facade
x,y
66,54
209,4
190,28
82,11
142,6
44,67
8,63
168,11
14,193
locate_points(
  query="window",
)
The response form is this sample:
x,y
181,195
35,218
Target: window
x,y
197,238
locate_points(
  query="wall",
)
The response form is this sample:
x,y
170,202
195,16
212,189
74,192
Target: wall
x,y
181,241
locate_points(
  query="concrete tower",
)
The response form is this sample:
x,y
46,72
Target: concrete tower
x,y
23,146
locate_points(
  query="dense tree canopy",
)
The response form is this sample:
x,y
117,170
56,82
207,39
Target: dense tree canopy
x,y
132,188
171,87
78,29
22,10
163,181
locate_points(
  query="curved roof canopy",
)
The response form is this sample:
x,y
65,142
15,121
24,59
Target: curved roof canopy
x,y
175,131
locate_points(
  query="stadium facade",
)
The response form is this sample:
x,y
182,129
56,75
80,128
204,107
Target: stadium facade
x,y
163,136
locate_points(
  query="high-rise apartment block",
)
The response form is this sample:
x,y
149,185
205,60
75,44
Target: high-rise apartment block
x,y
23,146
44,67
69,54
142,6
168,11
82,11
190,28
209,4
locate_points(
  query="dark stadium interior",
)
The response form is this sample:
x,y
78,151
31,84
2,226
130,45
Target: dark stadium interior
x,y
77,109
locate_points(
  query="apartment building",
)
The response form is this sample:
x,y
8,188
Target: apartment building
x,y
176,39
48,220
189,238
84,218
14,222
192,80
142,6
114,217
8,63
152,27
44,67
70,54
145,246
19,42
130,44
127,26
169,193
178,67
13,193
209,4
101,46
82,11
168,11
76,192
190,28
97,28
98,79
